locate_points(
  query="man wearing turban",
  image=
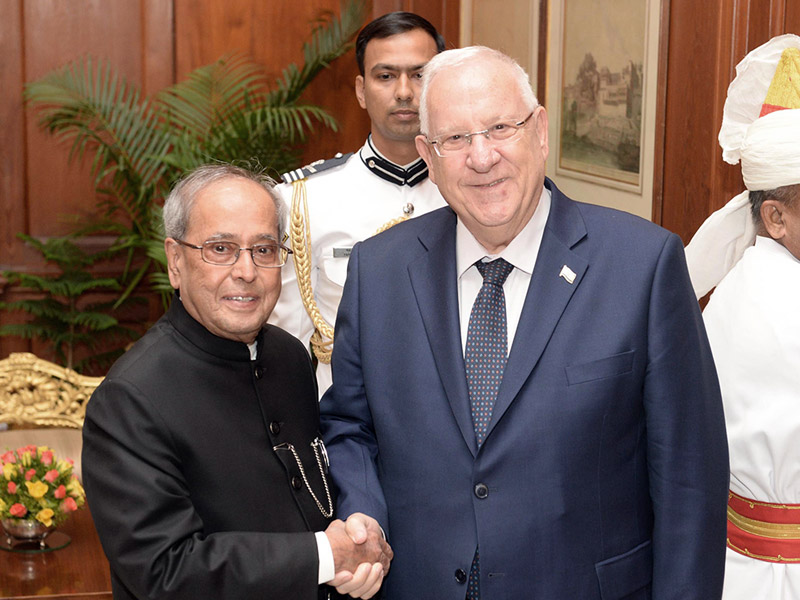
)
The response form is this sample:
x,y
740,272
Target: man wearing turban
x,y
750,250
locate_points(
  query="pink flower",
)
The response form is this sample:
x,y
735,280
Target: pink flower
x,y
12,487
68,505
51,475
9,457
29,474
47,458
60,492
17,510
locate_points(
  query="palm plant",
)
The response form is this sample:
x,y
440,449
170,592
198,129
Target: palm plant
x,y
61,315
222,112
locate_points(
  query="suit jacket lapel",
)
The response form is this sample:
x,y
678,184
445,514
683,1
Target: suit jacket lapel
x,y
547,297
434,281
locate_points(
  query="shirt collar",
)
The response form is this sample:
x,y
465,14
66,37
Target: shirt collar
x,y
521,252
410,174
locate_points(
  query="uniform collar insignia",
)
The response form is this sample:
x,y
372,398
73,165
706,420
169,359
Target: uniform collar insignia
x,y
410,175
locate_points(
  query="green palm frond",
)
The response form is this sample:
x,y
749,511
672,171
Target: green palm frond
x,y
330,39
155,250
160,283
88,103
94,321
43,309
211,94
66,287
27,331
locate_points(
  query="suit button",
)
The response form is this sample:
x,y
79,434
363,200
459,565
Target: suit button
x,y
259,372
481,491
274,428
297,483
461,576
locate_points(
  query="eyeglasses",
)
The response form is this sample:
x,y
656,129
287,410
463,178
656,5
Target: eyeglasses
x,y
459,142
225,254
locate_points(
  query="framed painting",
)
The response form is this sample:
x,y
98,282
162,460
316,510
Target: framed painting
x,y
601,93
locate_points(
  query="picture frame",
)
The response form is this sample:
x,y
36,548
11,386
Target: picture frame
x,y
601,93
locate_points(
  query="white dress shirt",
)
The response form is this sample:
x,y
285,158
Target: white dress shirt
x,y
521,252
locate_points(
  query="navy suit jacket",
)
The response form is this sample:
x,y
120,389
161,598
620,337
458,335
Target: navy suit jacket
x,y
604,472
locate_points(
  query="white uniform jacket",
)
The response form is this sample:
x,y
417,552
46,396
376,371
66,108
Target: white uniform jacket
x,y
347,203
753,324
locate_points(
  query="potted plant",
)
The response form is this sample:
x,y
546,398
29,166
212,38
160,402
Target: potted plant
x,y
37,493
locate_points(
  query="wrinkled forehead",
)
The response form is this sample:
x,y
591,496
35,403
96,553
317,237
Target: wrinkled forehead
x,y
234,208
474,94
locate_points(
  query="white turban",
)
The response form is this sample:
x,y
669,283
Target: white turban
x,y
747,92
769,150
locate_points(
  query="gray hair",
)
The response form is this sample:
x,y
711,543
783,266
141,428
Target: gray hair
x,y
462,56
178,205
786,195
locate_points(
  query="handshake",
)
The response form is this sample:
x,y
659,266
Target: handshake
x,y
361,555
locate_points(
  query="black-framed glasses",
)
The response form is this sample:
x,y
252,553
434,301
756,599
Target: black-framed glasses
x,y
225,254
459,142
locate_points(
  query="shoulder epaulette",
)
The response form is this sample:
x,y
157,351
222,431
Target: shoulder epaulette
x,y
315,167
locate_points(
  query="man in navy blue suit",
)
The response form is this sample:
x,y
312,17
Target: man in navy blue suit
x,y
586,459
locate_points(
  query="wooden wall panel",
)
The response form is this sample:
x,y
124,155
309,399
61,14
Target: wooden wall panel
x,y
158,56
699,63
444,14
13,213
55,188
693,113
792,17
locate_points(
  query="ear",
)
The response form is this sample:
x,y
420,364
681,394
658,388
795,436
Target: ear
x,y
426,152
540,126
360,91
772,217
172,249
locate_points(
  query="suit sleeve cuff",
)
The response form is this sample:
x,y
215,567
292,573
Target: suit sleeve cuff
x,y
327,570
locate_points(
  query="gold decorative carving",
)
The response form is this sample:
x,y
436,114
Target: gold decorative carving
x,y
37,392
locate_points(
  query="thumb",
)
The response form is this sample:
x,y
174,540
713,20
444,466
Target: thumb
x,y
356,528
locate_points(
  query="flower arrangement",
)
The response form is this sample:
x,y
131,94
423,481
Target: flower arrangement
x,y
36,485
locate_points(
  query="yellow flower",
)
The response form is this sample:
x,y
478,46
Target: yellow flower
x,y
9,469
38,489
75,489
25,459
2,505
45,516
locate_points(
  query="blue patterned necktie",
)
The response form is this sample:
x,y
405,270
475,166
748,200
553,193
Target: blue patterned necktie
x,y
485,359
487,342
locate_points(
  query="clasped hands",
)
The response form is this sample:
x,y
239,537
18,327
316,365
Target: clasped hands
x,y
361,555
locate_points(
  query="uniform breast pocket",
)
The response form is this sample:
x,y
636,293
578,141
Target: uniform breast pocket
x,y
335,269
610,366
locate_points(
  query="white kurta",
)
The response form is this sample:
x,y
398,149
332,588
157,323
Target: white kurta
x,y
346,204
753,324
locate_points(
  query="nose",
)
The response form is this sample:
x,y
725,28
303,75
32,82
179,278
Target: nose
x,y
403,91
482,154
244,268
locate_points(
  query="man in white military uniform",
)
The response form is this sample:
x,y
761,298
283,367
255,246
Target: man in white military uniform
x,y
339,202
753,321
